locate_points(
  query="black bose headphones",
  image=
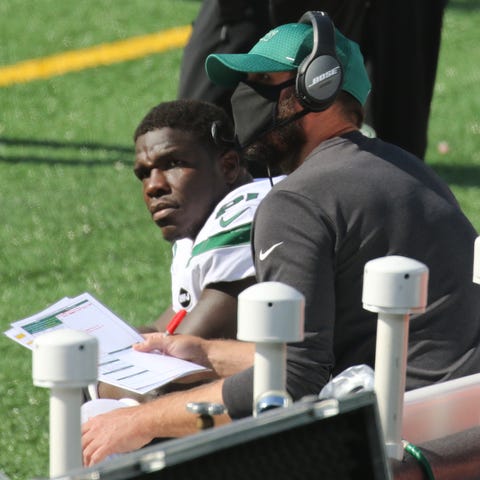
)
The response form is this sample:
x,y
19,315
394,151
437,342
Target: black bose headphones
x,y
320,75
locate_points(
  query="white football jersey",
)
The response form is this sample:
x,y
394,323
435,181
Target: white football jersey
x,y
221,251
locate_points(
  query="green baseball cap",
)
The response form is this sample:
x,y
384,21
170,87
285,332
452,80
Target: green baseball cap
x,y
283,49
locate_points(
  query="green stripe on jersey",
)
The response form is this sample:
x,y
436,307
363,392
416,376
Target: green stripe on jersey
x,y
230,238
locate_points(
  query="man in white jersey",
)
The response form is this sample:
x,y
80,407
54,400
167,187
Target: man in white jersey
x,y
200,194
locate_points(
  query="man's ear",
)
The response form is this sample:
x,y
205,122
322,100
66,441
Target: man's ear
x,y
230,166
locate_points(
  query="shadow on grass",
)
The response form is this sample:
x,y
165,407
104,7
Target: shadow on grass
x,y
463,5
26,142
115,153
68,162
461,175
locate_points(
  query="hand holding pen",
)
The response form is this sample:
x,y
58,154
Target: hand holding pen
x,y
156,341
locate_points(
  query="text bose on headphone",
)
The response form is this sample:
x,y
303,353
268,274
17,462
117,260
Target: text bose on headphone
x,y
320,74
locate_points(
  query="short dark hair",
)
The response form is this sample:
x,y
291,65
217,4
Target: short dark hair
x,y
351,108
193,116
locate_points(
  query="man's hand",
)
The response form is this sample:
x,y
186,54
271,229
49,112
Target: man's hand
x,y
222,357
187,347
118,431
130,428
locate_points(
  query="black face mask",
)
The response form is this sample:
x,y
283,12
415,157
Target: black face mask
x,y
254,110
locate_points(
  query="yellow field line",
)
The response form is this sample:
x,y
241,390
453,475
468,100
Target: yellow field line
x,y
104,54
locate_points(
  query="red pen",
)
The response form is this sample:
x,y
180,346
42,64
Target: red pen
x,y
175,322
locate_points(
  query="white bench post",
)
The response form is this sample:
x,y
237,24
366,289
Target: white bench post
x,y
394,287
270,314
65,361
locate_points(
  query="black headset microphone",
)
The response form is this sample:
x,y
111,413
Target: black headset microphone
x,y
318,80
319,76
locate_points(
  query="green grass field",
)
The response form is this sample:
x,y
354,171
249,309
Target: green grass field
x,y
72,215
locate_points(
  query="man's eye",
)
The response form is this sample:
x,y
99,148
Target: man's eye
x,y
141,173
175,163
263,78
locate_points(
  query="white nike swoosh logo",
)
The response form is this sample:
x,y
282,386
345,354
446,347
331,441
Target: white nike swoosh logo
x,y
264,254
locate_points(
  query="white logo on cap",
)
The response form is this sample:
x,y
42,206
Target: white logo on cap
x,y
268,36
